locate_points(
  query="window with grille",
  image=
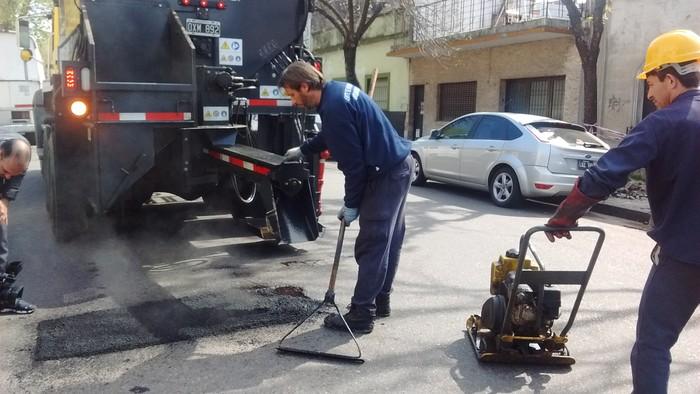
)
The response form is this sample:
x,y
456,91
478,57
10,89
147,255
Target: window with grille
x,y
456,99
381,90
536,96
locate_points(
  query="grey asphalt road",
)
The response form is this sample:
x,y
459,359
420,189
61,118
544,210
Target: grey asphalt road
x,y
189,303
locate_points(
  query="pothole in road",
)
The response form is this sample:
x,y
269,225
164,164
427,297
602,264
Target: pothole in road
x,y
166,321
290,291
295,262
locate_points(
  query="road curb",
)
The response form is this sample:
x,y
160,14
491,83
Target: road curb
x,y
624,213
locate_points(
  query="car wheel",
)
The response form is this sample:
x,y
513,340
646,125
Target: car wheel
x,y
504,188
419,178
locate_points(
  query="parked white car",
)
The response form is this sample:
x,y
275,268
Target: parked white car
x,y
513,156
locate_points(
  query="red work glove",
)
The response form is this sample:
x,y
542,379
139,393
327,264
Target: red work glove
x,y
570,210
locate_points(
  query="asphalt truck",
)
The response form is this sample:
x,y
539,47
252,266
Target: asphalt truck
x,y
178,96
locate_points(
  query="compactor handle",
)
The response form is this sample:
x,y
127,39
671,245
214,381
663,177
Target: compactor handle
x,y
525,241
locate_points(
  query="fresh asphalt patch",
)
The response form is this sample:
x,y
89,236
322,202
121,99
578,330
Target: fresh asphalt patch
x,y
159,322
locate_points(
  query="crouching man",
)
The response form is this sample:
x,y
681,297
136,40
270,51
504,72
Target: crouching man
x,y
15,155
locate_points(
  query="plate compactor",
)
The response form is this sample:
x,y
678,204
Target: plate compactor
x,y
516,322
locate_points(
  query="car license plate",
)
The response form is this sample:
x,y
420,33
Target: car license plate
x,y
199,27
585,164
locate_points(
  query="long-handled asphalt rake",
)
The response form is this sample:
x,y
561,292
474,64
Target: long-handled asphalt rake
x,y
329,299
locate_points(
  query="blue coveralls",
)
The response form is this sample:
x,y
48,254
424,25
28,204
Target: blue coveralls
x,y
667,144
8,190
377,166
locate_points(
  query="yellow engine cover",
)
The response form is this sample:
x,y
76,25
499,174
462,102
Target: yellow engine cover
x,y
504,265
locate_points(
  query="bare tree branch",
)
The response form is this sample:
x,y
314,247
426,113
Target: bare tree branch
x,y
363,16
334,11
587,27
598,15
375,13
437,47
351,15
577,27
337,19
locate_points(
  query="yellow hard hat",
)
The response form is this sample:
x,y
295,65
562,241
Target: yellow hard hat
x,y
674,47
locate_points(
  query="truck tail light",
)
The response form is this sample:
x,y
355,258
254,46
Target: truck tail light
x,y
70,78
78,108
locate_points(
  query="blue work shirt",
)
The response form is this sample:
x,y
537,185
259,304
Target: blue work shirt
x,y
667,144
358,134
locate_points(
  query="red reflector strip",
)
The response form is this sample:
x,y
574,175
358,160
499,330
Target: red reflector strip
x,y
238,162
23,105
144,116
155,116
269,103
108,116
543,186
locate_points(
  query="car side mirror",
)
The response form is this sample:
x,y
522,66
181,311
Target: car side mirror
x,y
435,134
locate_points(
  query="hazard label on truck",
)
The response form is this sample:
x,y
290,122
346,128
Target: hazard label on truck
x,y
215,114
231,51
272,92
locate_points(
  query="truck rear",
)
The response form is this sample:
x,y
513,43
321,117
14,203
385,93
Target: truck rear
x,y
178,96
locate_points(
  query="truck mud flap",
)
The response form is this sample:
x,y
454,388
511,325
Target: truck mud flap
x,y
286,193
297,216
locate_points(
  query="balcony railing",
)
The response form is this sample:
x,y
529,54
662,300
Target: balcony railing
x,y
446,18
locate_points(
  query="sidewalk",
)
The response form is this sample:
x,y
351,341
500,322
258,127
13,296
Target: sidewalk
x,y
631,209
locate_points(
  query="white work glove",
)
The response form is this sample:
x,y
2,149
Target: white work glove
x,y
293,154
349,214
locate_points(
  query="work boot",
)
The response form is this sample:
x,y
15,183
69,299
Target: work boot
x,y
13,269
383,307
19,307
11,298
359,320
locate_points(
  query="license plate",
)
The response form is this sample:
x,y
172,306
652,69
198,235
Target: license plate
x,y
199,27
585,164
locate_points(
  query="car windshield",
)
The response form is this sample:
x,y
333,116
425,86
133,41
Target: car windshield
x,y
564,134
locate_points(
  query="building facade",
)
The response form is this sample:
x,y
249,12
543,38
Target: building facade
x,y
446,58
629,29
515,56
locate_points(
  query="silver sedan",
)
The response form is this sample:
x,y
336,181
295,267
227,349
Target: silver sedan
x,y
513,156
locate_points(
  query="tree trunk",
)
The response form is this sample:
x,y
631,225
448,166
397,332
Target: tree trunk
x,y
350,53
590,91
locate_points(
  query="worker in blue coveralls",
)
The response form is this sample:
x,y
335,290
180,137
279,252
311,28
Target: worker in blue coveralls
x,y
377,165
667,144
15,155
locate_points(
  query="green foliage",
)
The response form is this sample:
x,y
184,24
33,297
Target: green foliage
x,y
36,11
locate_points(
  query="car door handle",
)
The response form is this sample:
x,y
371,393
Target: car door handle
x,y
454,146
491,149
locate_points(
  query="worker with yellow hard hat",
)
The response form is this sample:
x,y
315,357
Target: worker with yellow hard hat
x,y
667,144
